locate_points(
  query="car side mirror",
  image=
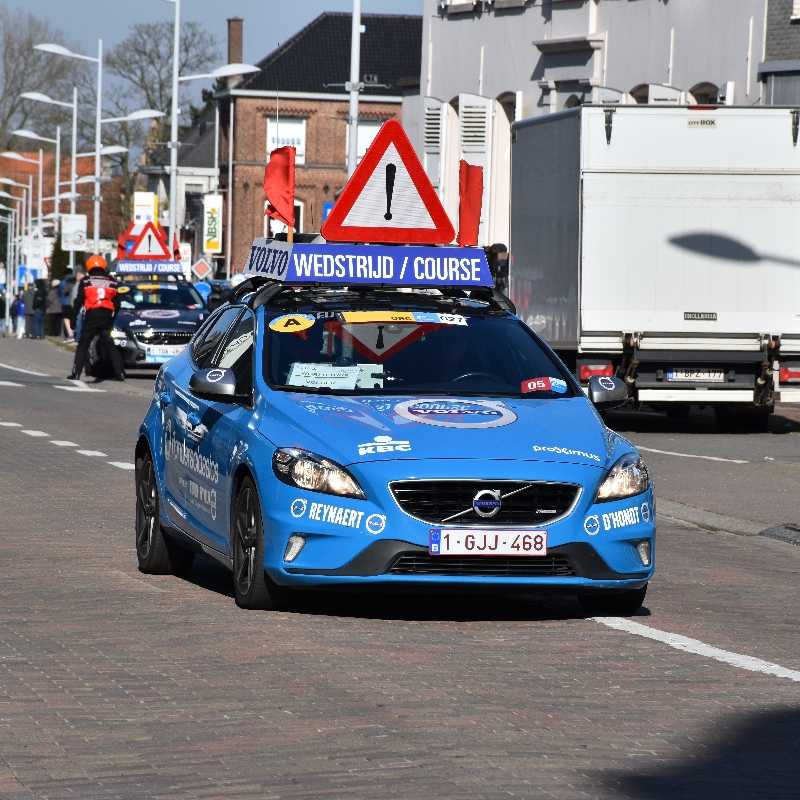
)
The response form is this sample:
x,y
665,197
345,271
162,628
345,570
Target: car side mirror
x,y
216,384
607,392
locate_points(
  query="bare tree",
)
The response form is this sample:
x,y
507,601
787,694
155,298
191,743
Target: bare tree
x,y
143,60
23,69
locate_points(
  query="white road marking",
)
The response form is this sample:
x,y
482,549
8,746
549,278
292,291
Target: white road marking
x,y
63,443
9,383
77,386
699,648
10,425
691,455
35,434
25,371
122,464
93,453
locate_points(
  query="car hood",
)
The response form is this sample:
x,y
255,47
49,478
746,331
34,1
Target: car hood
x,y
359,429
161,318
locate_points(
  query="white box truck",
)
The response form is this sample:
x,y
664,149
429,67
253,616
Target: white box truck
x,y
661,244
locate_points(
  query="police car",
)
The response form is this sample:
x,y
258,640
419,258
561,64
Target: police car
x,y
156,319
379,417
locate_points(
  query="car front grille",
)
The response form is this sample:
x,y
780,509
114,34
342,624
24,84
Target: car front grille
x,y
450,501
165,337
420,563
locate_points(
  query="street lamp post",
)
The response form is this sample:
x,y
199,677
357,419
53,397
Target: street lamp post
x,y
60,50
26,134
225,71
17,157
43,98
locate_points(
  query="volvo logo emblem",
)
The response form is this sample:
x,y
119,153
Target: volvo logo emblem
x,y
487,503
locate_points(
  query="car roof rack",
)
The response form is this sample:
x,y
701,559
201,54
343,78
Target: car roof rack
x,y
263,290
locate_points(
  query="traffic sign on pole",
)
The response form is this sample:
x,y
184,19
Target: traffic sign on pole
x,y
150,245
389,198
201,269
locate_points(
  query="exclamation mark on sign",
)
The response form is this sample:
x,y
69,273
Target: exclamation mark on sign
x,y
391,169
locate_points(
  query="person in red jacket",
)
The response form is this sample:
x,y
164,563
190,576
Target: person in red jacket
x,y
97,294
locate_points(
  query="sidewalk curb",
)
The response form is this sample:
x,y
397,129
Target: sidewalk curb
x,y
708,520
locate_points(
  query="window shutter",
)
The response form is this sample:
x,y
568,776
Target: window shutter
x,y
475,116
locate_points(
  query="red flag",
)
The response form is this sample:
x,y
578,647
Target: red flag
x,y
470,191
279,185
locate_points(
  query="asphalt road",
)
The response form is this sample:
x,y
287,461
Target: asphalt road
x,y
114,684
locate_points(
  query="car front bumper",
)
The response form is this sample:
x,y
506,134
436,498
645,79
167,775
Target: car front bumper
x,y
374,542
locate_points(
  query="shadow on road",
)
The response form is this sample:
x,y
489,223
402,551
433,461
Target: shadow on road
x,y
410,605
746,756
697,420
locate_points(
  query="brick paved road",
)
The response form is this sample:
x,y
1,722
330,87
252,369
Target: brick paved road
x,y
118,685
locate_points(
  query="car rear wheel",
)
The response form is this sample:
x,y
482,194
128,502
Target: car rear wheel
x,y
612,603
156,554
252,587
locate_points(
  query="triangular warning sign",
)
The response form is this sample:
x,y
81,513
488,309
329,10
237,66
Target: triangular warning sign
x,y
389,197
150,245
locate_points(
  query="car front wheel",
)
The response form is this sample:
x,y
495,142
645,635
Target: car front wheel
x,y
252,588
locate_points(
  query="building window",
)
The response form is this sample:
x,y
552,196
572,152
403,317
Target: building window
x,y
286,131
367,131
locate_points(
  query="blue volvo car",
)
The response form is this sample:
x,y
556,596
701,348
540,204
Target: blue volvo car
x,y
385,421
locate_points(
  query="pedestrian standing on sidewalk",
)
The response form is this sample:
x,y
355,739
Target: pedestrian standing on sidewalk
x,y
18,315
39,306
53,310
66,307
77,319
30,293
97,294
3,302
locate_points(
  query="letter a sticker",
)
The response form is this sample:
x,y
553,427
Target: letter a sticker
x,y
292,323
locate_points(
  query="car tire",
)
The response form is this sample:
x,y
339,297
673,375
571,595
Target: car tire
x,y
612,603
252,587
156,554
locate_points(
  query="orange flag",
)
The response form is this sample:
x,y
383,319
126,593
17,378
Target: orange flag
x,y
470,191
279,185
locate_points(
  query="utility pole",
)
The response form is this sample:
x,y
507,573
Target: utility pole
x,y
354,87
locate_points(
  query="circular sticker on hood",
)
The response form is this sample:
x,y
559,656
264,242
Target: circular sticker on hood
x,y
447,413
160,313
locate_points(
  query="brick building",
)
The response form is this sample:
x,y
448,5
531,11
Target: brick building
x,y
781,67
298,98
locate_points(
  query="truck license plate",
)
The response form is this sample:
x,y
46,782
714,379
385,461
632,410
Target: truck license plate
x,y
696,375
473,542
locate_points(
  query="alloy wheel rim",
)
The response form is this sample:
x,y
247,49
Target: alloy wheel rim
x,y
245,544
146,509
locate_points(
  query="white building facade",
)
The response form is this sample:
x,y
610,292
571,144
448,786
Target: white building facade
x,y
486,63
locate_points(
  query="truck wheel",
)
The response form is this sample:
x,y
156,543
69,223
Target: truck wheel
x,y
156,554
612,603
252,588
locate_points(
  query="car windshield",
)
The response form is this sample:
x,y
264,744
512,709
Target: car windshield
x,y
409,352
160,295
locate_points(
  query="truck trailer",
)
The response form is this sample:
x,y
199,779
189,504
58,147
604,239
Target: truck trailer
x,y
661,244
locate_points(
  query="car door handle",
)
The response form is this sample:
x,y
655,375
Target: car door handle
x,y
164,399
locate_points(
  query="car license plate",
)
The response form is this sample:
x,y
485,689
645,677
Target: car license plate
x,y
161,352
699,375
475,542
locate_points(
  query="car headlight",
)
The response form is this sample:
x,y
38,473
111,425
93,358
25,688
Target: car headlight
x,y
316,474
118,336
626,478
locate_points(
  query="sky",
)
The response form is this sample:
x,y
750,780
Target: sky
x,y
266,22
